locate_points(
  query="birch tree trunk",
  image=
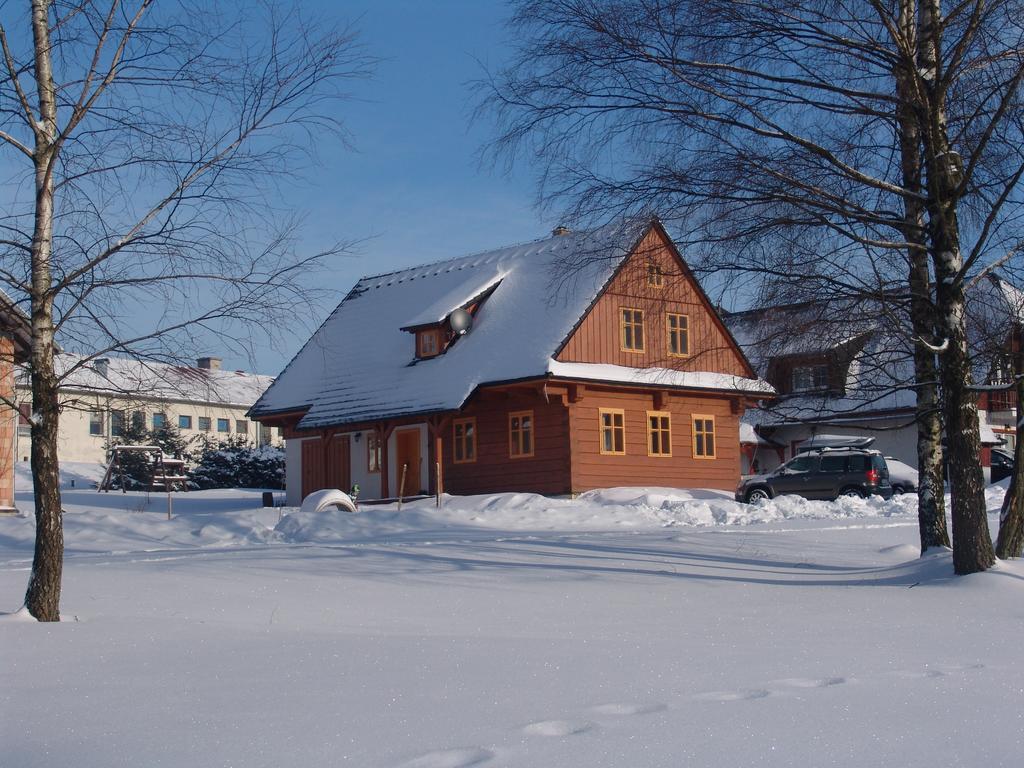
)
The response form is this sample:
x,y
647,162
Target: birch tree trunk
x,y
42,597
1010,541
146,191
931,508
972,543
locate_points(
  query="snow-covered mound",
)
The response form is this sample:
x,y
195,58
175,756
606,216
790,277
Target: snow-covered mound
x,y
111,522
611,509
76,474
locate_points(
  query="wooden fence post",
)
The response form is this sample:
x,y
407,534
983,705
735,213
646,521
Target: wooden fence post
x,y
401,486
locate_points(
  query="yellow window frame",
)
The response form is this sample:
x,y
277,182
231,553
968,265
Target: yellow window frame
x,y
461,437
699,423
632,321
655,275
515,435
662,428
682,331
612,427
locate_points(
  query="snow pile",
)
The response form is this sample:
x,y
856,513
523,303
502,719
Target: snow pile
x,y
611,509
78,474
111,522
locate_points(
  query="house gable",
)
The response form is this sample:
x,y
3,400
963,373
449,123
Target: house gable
x,y
679,329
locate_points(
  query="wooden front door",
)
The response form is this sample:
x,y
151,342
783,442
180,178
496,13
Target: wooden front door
x,y
339,463
407,450
312,466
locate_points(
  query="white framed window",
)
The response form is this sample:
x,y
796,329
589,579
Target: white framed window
x,y
810,378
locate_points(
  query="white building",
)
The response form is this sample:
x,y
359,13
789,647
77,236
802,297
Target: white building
x,y
847,370
100,397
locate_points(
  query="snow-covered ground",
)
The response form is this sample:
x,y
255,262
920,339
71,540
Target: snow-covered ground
x,y
631,627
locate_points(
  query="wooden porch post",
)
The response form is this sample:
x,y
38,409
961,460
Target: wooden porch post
x,y
325,438
437,426
385,430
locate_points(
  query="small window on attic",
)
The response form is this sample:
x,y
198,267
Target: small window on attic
x,y
655,277
428,343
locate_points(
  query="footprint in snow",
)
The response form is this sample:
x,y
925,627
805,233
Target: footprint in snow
x,y
450,758
556,728
758,693
951,668
911,674
806,682
622,710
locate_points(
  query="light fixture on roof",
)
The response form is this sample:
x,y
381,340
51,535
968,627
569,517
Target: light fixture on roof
x,y
460,321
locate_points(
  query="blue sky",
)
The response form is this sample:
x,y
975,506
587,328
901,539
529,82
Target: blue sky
x,y
411,189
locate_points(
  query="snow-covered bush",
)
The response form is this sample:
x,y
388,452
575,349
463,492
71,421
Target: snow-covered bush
x,y
234,463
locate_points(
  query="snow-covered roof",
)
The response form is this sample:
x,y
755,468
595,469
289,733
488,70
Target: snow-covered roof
x,y
359,365
879,374
458,297
798,330
876,341
123,377
658,377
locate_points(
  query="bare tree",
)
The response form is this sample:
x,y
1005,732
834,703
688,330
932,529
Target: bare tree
x,y
839,143
996,310
147,133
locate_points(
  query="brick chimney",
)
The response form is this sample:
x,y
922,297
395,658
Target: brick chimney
x,y
209,363
102,366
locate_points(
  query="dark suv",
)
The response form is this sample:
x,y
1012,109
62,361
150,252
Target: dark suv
x,y
824,474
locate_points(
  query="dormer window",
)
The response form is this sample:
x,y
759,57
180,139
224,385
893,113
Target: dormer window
x,y
810,378
428,343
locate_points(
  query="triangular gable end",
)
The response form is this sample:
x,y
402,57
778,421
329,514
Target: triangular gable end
x,y
655,280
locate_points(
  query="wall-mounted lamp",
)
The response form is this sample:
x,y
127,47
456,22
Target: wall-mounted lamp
x,y
358,435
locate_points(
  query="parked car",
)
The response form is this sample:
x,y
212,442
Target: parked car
x,y
902,477
823,474
1002,465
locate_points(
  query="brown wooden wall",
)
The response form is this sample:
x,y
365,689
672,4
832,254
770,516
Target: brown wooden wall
x,y
597,339
547,471
591,469
567,457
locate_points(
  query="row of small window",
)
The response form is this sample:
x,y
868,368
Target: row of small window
x,y
632,336
159,420
520,437
659,433
612,425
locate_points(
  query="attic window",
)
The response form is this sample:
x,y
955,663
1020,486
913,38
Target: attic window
x,y
428,343
810,378
655,277
632,330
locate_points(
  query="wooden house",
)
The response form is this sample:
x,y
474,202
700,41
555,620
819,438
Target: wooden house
x,y
581,361
15,348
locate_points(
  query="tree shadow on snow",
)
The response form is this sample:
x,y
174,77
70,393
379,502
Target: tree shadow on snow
x,y
595,559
